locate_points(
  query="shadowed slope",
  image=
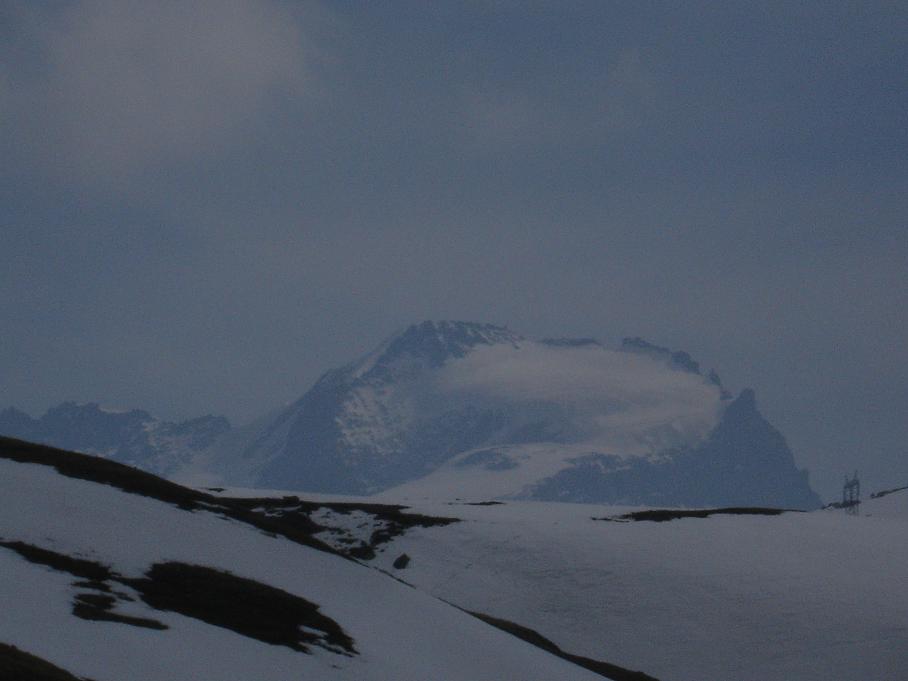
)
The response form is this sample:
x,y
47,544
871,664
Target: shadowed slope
x,y
17,665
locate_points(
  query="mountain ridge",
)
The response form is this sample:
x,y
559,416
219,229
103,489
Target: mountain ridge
x,y
421,399
481,407
133,437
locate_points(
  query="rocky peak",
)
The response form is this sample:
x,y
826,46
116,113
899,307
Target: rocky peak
x,y
73,412
437,342
746,401
677,360
134,437
571,342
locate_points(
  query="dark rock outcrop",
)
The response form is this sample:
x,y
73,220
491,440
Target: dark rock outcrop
x,y
743,462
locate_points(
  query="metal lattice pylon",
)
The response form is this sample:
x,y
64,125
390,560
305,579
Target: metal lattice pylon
x,y
851,495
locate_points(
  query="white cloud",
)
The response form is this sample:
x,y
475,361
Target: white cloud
x,y
626,402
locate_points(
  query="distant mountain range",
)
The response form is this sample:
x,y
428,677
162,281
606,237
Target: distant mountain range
x,y
132,437
463,409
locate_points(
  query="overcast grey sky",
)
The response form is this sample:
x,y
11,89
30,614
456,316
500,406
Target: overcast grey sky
x,y
205,205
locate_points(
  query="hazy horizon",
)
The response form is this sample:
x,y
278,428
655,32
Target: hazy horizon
x,y
205,206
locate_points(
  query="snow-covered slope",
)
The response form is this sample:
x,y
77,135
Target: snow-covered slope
x,y
892,503
807,596
110,574
476,406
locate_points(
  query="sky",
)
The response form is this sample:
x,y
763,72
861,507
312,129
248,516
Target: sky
x,y
204,206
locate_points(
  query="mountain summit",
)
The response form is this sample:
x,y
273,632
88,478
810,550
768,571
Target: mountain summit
x,y
460,409
469,409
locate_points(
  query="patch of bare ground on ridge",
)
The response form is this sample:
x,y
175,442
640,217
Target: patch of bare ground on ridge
x,y
884,492
245,606
388,520
289,517
216,597
18,665
661,515
95,600
606,669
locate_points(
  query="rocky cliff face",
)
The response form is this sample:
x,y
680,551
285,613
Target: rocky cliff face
x,y
375,423
743,462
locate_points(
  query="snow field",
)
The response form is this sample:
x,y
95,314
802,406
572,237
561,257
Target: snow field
x,y
399,632
800,596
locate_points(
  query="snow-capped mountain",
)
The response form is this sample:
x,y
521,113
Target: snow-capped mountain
x,y
480,410
132,437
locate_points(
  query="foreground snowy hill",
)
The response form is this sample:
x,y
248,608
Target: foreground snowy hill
x,y
558,419
108,573
732,594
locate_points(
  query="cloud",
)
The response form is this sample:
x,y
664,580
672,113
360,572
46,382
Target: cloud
x,y
111,87
613,399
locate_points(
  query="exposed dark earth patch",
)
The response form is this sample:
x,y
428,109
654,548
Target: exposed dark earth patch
x,y
103,471
606,669
96,599
131,480
17,665
840,504
666,514
88,570
99,607
288,517
213,596
883,493
242,605
383,522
